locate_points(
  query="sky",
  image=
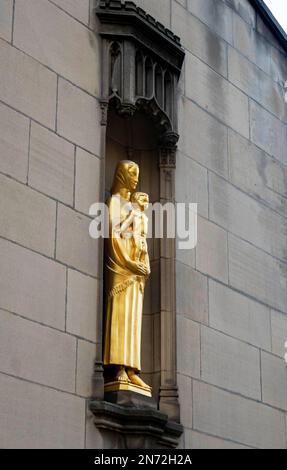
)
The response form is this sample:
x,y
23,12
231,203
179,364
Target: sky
x,y
279,10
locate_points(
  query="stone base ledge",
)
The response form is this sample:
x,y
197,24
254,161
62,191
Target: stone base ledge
x,y
141,426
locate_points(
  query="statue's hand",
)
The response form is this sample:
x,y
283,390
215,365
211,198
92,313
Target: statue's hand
x,y
140,269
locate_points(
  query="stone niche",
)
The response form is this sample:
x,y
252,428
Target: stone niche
x,y
141,65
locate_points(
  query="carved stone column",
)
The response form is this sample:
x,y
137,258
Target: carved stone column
x,y
98,373
168,396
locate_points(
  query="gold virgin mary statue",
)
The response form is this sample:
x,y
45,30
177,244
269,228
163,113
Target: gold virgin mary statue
x,y
126,270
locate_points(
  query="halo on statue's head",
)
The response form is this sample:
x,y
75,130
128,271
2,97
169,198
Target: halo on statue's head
x,y
122,175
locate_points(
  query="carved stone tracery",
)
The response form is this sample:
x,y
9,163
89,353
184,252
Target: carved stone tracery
x,y
142,62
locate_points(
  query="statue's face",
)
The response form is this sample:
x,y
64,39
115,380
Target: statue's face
x,y
143,201
133,177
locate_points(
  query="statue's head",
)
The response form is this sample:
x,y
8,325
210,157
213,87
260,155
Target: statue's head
x,y
126,176
140,200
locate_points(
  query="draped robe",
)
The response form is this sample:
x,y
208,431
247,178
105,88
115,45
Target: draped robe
x,y
124,295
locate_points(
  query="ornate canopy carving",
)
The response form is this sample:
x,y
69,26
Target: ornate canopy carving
x,y
142,62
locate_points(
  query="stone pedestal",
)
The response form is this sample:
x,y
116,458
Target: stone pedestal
x,y
137,421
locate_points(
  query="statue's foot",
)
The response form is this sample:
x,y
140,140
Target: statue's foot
x,y
122,376
136,380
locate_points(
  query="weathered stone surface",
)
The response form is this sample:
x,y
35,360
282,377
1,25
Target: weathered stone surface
x,y
39,418
216,95
37,353
199,39
28,85
215,14
74,245
51,164
211,250
257,274
256,84
185,398
191,288
87,185
182,439
159,10
268,132
274,381
79,10
233,417
230,364
96,439
86,355
193,188
244,9
82,305
267,34
79,117
14,141
100,438
247,218
26,216
186,256
188,347
239,316
6,17
195,128
256,173
197,441
251,44
40,285
182,2
279,332
186,232
59,42
278,65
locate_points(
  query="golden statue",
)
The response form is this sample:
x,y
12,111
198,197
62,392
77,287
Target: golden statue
x,y
126,269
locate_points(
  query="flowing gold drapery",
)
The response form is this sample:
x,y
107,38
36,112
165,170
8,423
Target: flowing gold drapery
x,y
124,295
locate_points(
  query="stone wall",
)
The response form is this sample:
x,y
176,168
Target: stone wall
x,y
50,174
232,292
232,160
